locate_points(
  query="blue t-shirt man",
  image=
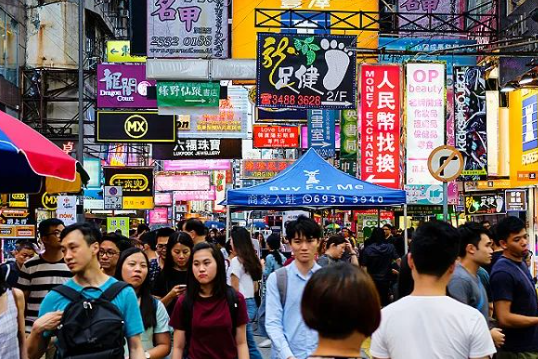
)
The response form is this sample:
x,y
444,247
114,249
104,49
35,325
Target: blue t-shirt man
x,y
126,302
512,281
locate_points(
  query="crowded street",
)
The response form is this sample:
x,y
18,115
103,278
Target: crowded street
x,y
269,179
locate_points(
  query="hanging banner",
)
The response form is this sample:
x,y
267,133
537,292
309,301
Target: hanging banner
x,y
470,121
123,86
136,183
321,132
380,125
482,204
188,94
187,29
209,195
306,71
219,179
425,109
263,169
201,148
146,127
67,209
275,136
181,183
158,215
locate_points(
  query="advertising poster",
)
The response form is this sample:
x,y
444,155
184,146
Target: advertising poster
x,y
263,169
189,148
67,209
306,71
123,126
380,125
184,28
481,204
136,183
123,86
321,132
425,107
275,136
470,121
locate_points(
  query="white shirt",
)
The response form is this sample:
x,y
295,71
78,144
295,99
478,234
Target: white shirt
x,y
246,284
421,327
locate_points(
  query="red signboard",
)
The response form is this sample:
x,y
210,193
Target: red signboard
x,y
380,125
263,169
276,136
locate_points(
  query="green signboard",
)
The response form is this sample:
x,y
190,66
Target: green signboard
x,y
188,94
348,141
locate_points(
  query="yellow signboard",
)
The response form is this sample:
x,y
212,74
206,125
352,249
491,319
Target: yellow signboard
x,y
119,51
138,203
523,138
245,17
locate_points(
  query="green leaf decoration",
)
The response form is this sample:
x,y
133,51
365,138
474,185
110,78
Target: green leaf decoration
x,y
298,44
310,58
314,47
304,49
309,40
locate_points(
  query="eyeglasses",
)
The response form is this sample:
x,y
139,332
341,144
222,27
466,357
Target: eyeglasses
x,y
109,253
55,233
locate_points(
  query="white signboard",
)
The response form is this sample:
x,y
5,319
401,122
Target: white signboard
x,y
67,209
113,197
425,106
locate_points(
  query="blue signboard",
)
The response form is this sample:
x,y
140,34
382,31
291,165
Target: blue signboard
x,y
321,136
530,123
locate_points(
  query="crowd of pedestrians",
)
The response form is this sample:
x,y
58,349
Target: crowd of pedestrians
x,y
195,293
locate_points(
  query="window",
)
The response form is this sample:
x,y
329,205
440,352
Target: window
x,y
9,46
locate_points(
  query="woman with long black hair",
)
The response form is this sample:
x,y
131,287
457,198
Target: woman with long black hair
x,y
172,281
210,318
244,273
12,337
133,268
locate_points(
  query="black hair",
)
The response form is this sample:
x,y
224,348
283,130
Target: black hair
x,y
470,233
388,226
123,243
274,243
484,222
24,244
175,238
219,283
147,302
141,228
245,252
150,238
434,248
303,226
507,226
91,233
195,225
165,232
336,240
44,226
377,236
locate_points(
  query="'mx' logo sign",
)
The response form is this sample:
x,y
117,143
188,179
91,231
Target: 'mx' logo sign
x,y
136,126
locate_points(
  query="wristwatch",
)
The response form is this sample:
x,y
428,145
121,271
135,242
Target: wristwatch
x,y
147,355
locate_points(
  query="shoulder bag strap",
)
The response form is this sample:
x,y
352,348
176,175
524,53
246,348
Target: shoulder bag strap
x,y
527,279
114,290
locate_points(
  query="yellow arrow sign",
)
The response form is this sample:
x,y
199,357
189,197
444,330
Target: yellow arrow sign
x,y
119,51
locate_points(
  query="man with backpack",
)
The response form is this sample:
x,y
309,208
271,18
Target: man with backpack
x,y
284,323
92,313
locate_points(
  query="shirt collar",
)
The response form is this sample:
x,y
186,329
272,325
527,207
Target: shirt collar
x,y
295,270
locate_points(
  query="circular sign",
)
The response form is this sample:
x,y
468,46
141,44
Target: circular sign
x,y
49,201
136,126
445,163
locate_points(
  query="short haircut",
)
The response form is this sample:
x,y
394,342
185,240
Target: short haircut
x,y
195,225
24,244
507,226
91,233
303,226
388,226
141,228
337,316
336,240
434,248
120,241
44,226
484,222
150,238
165,232
470,233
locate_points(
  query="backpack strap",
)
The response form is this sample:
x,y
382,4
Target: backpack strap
x,y
233,305
114,290
67,292
282,284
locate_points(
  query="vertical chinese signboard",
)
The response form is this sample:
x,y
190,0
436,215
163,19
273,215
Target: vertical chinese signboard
x,y
380,124
219,179
184,28
348,141
470,118
425,108
321,136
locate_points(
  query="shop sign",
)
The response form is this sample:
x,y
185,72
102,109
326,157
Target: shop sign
x,y
188,94
219,179
348,141
188,29
304,137
424,194
120,51
136,183
470,120
94,204
516,200
380,125
113,197
263,169
231,121
67,209
425,107
321,132
123,86
481,204
49,201
18,200
17,231
14,216
163,198
265,136
181,183
199,148
415,11
420,210
121,223
280,115
196,165
146,127
180,196
158,215
306,71
486,185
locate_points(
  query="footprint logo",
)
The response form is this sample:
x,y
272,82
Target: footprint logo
x,y
337,62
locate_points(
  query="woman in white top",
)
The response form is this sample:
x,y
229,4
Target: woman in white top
x,y
12,337
244,272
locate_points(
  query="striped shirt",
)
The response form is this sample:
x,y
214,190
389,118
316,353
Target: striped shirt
x,y
38,277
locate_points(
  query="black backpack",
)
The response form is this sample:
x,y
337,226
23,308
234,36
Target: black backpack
x,y
91,328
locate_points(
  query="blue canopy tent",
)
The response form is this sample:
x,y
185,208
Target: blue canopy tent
x,y
311,182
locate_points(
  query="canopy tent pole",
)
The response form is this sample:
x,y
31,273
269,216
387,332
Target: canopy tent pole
x,y
379,218
406,234
228,222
